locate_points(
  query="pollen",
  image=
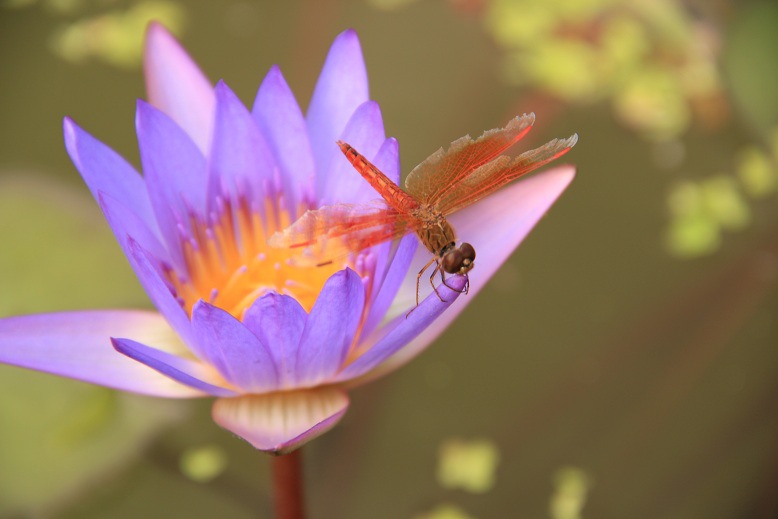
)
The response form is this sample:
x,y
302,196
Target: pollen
x,y
229,264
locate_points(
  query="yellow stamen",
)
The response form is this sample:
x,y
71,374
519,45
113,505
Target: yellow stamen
x,y
231,265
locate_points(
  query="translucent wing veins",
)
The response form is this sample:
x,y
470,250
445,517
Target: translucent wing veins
x,y
334,231
443,170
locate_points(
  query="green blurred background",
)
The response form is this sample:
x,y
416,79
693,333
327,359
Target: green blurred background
x,y
622,364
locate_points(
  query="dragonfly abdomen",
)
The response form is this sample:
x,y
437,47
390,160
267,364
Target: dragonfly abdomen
x,y
391,192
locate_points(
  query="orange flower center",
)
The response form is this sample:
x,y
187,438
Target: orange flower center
x,y
230,265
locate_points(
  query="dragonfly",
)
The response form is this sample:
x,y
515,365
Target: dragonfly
x,y
445,182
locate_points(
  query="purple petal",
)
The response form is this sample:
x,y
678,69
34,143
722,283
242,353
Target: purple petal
x,y
187,372
278,322
241,163
341,183
233,350
341,88
105,171
156,286
174,169
281,422
389,284
279,118
509,215
330,328
78,345
405,328
126,224
388,161
176,85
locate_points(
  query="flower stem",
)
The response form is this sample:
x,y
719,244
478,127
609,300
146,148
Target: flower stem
x,y
288,486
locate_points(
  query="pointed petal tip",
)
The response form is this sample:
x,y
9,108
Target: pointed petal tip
x,y
225,96
275,78
117,344
193,374
346,48
349,273
372,108
274,70
278,423
341,276
221,86
348,36
564,173
156,35
176,85
342,86
156,27
202,307
142,108
312,433
159,41
70,130
227,99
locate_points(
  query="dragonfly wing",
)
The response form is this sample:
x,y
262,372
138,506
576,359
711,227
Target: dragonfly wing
x,y
492,176
332,232
443,170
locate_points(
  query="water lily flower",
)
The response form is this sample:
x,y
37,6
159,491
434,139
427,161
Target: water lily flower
x,y
276,343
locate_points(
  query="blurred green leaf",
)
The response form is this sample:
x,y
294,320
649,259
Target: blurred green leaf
x,y
652,102
724,203
445,511
82,432
469,465
116,37
566,68
653,60
756,172
63,255
692,231
693,236
519,23
625,42
749,60
204,463
571,486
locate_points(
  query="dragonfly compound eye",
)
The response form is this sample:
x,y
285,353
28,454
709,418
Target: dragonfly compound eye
x,y
468,253
459,261
452,261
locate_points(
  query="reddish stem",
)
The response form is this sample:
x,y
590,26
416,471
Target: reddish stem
x,y
288,486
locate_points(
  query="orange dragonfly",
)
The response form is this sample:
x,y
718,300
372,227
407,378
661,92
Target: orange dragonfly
x,y
444,183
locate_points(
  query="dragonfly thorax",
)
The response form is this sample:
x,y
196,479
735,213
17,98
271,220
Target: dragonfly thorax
x,y
437,235
457,260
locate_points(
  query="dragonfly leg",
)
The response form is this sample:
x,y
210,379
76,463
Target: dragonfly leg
x,y
432,277
418,281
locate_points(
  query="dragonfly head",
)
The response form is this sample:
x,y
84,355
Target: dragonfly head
x,y
458,260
